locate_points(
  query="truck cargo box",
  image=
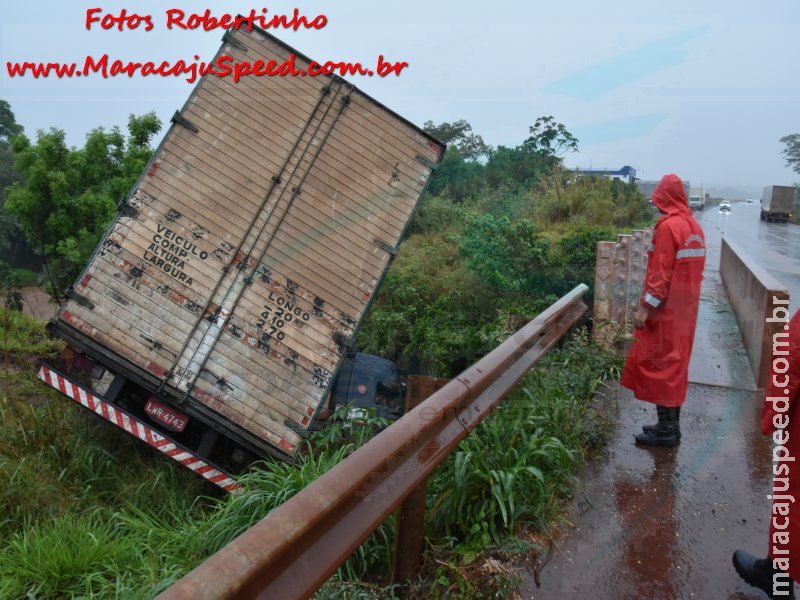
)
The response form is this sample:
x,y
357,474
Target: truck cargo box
x,y
240,266
776,203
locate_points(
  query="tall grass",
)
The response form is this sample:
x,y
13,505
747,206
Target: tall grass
x,y
107,529
26,277
68,556
88,512
517,467
23,335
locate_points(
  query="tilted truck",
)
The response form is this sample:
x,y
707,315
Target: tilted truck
x,y
225,297
776,203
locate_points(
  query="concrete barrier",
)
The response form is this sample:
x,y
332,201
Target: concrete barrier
x,y
754,295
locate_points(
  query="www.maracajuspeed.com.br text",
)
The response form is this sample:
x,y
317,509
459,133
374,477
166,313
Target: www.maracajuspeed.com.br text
x,y
221,66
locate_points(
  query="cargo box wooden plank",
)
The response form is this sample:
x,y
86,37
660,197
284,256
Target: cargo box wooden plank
x,y
235,277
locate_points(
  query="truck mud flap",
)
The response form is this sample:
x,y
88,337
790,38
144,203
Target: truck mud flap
x,y
138,429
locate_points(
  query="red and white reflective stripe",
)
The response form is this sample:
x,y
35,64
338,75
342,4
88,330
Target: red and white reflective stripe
x,y
138,429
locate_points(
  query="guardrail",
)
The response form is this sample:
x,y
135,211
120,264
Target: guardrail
x,y
293,550
754,295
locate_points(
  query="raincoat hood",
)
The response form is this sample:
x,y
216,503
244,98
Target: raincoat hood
x,y
670,195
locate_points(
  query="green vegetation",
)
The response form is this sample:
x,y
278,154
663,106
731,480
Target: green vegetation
x,y
501,234
14,248
791,152
66,197
24,336
71,486
518,466
128,523
26,277
497,239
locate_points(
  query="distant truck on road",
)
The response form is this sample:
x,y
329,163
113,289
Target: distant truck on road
x,y
697,198
776,203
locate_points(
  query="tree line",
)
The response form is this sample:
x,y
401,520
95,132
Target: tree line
x,y
56,201
500,233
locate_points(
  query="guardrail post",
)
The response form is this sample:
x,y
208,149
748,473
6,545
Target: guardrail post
x,y
619,294
411,514
619,275
602,332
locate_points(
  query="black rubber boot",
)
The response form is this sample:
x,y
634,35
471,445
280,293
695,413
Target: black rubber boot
x,y
649,428
666,432
759,573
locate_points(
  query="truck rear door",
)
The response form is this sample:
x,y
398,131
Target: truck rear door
x,y
249,250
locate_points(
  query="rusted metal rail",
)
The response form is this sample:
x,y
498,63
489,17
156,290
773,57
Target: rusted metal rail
x,y
410,529
293,550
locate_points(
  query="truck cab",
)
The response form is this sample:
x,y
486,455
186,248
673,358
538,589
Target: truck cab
x,y
367,382
697,202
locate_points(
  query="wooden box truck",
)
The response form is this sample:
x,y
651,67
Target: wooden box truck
x,y
225,297
776,203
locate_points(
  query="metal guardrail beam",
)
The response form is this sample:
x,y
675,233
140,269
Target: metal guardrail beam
x,y
294,549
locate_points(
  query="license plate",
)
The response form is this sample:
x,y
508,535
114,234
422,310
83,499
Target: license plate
x,y
171,418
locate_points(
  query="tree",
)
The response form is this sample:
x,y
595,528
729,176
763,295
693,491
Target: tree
x,y
10,299
459,134
69,195
8,124
514,166
8,129
549,138
458,177
10,234
507,255
549,141
461,164
792,151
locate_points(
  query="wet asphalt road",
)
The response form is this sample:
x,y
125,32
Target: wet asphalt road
x,y
663,523
775,246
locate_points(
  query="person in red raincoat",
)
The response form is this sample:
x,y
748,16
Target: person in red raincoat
x,y
657,367
781,420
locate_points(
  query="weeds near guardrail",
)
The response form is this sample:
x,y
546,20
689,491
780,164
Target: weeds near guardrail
x,y
87,512
517,467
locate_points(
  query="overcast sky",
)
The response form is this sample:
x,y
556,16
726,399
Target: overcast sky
x,y
703,89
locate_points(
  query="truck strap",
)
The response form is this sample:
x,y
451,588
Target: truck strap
x,y
138,429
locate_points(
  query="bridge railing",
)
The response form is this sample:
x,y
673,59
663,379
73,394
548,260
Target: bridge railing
x,y
298,546
619,275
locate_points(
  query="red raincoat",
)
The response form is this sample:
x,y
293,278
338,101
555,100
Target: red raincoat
x,y
657,368
781,411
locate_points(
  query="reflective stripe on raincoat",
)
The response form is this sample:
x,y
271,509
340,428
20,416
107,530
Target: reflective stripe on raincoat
x,y
657,367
